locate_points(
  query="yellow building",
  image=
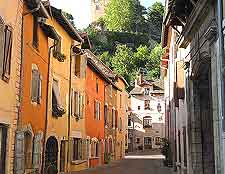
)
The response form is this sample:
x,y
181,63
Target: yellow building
x,y
121,131
10,63
65,127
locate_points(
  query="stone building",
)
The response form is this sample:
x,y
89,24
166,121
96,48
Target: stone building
x,y
191,70
10,75
98,9
147,117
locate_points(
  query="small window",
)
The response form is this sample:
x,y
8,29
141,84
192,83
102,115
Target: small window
x,y
3,143
35,31
129,121
105,114
97,109
77,149
147,91
77,65
139,107
157,141
147,140
7,54
36,86
147,122
97,86
147,104
137,140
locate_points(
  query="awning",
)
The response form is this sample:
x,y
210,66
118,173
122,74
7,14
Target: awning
x,y
57,108
50,31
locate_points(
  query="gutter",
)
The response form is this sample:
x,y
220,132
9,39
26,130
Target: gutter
x,y
220,81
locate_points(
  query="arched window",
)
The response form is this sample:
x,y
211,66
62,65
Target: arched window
x,y
28,150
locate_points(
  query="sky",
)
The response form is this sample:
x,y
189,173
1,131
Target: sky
x,y
80,9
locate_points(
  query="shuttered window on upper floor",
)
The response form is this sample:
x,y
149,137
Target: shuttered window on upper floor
x,y
77,104
36,87
97,109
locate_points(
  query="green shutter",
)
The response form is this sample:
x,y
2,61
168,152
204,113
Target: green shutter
x,y
37,148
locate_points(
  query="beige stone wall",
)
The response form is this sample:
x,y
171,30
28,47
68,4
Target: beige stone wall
x,y
9,95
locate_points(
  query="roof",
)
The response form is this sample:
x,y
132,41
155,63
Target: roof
x,y
65,23
49,31
95,67
137,91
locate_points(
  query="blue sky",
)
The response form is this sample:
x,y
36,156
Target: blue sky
x,y
81,11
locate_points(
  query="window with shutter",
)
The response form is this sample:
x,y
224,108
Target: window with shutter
x,y
37,148
35,31
99,111
7,54
39,89
28,150
95,110
35,85
2,43
3,142
62,156
81,105
19,153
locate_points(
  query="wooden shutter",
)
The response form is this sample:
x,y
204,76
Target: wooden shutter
x,y
19,153
7,54
116,119
35,31
95,109
2,43
35,85
37,148
180,79
77,103
81,106
99,110
39,89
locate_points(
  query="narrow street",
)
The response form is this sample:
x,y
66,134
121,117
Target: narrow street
x,y
139,163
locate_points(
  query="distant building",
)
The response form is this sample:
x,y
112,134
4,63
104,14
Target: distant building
x,y
146,123
98,9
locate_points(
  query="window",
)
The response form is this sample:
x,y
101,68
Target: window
x,y
147,91
3,142
147,122
157,141
6,68
35,31
120,101
77,104
97,110
139,107
94,149
97,5
28,150
77,65
57,108
120,124
97,85
160,118
147,104
62,155
113,118
129,121
77,149
147,140
137,140
36,85
105,114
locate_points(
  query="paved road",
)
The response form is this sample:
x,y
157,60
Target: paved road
x,y
133,164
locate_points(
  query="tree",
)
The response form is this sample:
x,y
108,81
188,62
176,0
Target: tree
x,y
119,15
69,17
153,65
155,20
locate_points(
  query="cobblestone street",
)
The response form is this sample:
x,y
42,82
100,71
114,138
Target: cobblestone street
x,y
138,163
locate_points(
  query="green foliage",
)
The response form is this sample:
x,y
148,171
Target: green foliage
x,y
69,17
155,20
120,15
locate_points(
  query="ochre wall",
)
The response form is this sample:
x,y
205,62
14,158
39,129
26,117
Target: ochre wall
x,y
33,113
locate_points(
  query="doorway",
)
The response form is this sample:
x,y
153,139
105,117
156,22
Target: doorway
x,y
51,156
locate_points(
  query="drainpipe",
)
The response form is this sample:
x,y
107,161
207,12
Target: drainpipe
x,y
46,109
220,81
69,106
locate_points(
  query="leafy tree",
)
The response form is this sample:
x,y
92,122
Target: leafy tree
x,y
153,65
106,58
120,15
155,20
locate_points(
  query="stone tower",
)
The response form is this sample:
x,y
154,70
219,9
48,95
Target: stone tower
x,y
98,9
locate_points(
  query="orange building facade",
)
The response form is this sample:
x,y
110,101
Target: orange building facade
x,y
94,113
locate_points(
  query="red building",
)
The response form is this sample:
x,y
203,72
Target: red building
x,y
94,113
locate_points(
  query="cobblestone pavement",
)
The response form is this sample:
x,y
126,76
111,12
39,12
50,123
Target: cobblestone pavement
x,y
138,163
